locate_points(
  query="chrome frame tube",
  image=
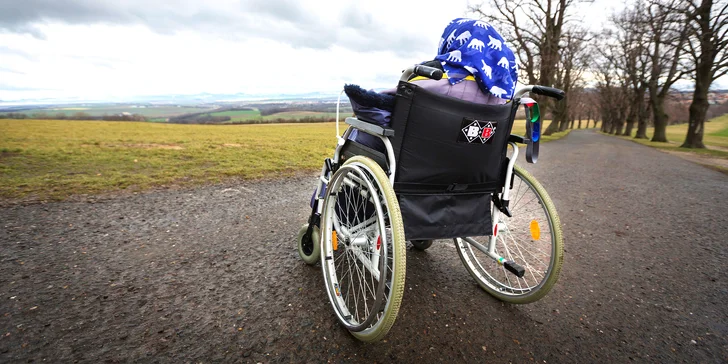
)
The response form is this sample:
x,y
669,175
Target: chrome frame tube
x,y
495,212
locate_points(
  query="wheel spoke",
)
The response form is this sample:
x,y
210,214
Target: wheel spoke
x,y
516,242
359,208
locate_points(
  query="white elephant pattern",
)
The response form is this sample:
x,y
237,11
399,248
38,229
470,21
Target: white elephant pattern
x,y
481,24
462,38
497,91
455,56
451,38
465,49
476,44
495,43
487,70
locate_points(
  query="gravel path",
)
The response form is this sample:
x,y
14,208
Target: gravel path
x,y
212,275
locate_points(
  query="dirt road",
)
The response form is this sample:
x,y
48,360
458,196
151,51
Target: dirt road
x,y
212,275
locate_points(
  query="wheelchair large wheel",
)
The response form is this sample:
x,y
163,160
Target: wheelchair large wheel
x,y
531,238
363,249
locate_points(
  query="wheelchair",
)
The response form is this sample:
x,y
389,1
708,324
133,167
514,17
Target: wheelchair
x,y
445,173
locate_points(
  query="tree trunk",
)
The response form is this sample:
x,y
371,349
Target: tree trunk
x,y
580,122
642,121
564,124
552,128
660,117
563,111
698,110
641,130
629,126
704,65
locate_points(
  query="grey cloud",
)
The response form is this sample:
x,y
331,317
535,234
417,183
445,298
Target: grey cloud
x,y
5,50
16,16
288,10
10,70
354,18
288,21
6,87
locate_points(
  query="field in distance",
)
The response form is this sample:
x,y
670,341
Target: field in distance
x,y
53,159
254,114
149,111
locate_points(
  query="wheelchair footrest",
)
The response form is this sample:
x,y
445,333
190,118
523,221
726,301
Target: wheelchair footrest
x,y
514,268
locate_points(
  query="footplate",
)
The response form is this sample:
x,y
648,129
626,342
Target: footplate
x,y
514,268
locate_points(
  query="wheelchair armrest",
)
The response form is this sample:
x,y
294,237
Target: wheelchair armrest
x,y
518,139
370,128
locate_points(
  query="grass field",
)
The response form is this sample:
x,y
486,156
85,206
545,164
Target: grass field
x,y
53,159
238,114
715,138
248,115
99,110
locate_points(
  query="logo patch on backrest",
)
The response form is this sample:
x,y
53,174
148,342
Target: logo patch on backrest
x,y
477,131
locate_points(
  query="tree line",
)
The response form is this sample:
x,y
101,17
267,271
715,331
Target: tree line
x,y
74,116
624,74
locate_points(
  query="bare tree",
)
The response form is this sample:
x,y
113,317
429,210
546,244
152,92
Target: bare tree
x,y
612,82
573,62
708,26
581,106
668,34
611,91
536,29
631,31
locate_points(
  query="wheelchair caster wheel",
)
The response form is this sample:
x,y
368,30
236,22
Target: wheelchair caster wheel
x,y
308,244
421,244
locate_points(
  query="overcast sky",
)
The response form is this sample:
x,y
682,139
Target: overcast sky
x,y
112,49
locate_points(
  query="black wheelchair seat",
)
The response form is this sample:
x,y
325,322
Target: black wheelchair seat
x,y
450,157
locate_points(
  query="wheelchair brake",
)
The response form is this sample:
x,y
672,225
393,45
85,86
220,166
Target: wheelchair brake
x,y
331,166
502,205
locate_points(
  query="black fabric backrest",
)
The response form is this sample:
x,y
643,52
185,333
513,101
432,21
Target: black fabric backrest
x,y
432,149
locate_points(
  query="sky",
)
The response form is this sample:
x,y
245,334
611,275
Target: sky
x,y
114,49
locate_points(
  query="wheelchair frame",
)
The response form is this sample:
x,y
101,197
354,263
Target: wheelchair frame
x,y
380,132
362,245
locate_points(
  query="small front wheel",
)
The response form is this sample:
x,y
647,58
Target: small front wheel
x,y
531,238
421,244
309,248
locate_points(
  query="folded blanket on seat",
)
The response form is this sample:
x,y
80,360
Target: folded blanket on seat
x,y
369,99
372,107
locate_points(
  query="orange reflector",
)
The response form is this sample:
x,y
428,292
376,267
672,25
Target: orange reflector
x,y
535,230
334,240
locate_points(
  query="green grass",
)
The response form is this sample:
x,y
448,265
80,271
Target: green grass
x,y
238,114
248,115
99,110
721,133
715,134
54,159
51,159
715,138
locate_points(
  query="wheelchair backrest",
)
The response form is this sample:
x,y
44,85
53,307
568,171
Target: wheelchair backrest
x,y
446,144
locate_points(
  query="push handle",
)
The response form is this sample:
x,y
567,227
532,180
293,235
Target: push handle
x,y
549,91
429,72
